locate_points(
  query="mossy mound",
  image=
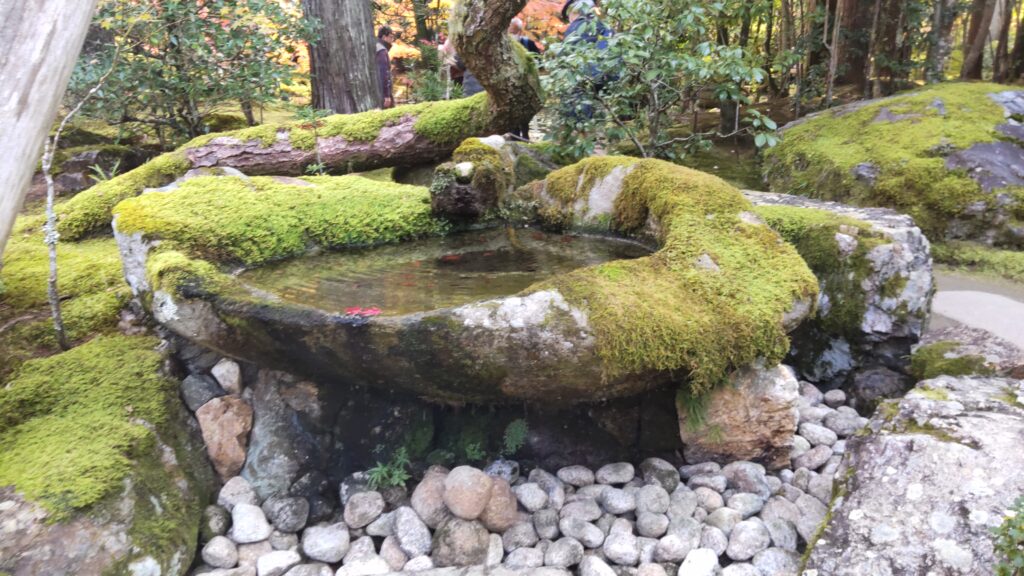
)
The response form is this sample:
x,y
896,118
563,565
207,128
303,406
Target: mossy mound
x,y
941,359
97,430
251,221
901,152
90,282
711,300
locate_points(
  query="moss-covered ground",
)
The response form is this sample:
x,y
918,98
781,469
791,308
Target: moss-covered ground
x,y
667,311
906,138
978,258
68,430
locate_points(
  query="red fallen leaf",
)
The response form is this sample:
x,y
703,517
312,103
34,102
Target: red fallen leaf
x,y
354,310
451,258
486,254
370,312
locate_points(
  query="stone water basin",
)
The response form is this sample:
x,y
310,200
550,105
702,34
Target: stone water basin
x,y
480,317
434,273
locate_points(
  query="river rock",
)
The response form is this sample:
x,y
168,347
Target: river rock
x,y
660,472
467,491
460,542
393,554
622,548
522,535
501,511
277,563
197,390
248,524
525,558
753,419
546,523
747,539
428,497
228,375
777,562
216,521
577,476
225,423
287,514
531,496
220,552
326,543
926,487
411,532
700,562
564,553
618,473
363,508
651,525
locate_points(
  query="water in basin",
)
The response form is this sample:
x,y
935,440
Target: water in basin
x,y
436,272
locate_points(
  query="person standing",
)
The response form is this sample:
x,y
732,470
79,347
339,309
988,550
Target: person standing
x,y
385,38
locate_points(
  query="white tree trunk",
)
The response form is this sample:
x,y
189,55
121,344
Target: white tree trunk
x,y
41,40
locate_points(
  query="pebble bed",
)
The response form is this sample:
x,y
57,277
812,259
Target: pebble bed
x,y
649,520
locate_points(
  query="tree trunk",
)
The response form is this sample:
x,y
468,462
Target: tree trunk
x,y
941,41
977,36
1016,63
853,43
41,40
341,64
1001,64
871,87
420,9
513,97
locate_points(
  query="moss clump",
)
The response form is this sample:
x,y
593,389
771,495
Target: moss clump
x,y
70,424
938,359
254,221
668,311
980,258
85,267
222,121
901,137
492,175
90,210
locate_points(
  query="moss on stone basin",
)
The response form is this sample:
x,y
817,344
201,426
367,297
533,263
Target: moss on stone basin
x,y
720,293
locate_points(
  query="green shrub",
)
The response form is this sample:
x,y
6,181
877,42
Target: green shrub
x,y
1009,542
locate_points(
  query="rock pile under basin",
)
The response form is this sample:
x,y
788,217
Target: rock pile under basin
x,y
648,520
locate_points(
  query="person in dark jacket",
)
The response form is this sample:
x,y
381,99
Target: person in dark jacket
x,y
385,38
586,27
515,29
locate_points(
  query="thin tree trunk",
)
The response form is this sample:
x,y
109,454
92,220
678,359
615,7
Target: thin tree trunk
x,y
871,85
940,43
1000,63
981,18
420,9
1016,63
41,40
834,48
342,62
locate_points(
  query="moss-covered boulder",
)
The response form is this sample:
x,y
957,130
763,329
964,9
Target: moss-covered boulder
x,y
874,269
949,155
721,291
100,471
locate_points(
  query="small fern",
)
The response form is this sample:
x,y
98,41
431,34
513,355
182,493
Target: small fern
x,y
515,436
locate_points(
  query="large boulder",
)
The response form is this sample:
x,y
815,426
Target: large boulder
x,y
949,155
721,292
101,469
922,492
874,268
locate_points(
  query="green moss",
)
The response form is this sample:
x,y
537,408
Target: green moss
x,y
813,233
452,121
69,424
175,273
817,157
665,312
936,359
90,210
973,257
222,121
253,221
84,268
938,394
